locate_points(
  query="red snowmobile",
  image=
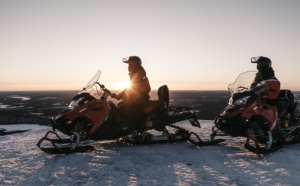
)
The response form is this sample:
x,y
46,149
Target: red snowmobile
x,y
247,115
92,116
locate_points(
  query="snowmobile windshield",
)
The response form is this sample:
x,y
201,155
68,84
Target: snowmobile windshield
x,y
242,83
89,92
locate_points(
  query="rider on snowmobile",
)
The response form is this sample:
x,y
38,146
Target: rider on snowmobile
x,y
265,72
135,98
265,78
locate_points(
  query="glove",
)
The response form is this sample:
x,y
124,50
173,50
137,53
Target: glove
x,y
115,96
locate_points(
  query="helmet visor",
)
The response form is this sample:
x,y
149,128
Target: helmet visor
x,y
125,59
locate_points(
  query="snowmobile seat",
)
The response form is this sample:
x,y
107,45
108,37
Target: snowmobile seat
x,y
163,96
286,96
286,104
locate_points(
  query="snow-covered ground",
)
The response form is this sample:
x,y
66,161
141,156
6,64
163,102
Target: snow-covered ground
x,y
112,163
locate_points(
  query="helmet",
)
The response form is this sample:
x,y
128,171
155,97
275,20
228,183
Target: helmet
x,y
261,62
133,59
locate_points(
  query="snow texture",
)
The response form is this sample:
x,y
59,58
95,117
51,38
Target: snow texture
x,y
113,163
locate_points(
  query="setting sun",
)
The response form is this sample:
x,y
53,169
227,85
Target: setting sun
x,y
122,85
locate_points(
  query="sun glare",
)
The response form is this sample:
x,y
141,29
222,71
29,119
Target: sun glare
x,y
122,85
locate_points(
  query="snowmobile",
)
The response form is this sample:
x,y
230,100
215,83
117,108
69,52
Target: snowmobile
x,y
247,115
91,116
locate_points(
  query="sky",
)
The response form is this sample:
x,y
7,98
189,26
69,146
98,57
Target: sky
x,y
185,44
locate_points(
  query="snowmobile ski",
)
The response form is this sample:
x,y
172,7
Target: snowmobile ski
x,y
71,145
200,142
261,150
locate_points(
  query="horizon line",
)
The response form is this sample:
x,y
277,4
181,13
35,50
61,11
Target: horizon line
x,y
111,90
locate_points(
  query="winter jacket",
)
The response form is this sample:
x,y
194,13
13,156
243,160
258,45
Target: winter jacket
x,y
267,79
138,93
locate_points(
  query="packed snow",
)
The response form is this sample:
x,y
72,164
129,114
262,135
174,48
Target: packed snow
x,y
114,163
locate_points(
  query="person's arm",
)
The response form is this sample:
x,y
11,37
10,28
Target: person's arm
x,y
257,79
118,96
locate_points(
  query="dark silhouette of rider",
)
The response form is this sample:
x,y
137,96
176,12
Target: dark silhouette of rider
x,y
266,78
136,97
266,73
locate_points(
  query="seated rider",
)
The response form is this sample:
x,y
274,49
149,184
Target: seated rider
x,y
266,73
266,78
135,98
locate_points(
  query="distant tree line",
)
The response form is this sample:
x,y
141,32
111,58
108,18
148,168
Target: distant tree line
x,y
46,104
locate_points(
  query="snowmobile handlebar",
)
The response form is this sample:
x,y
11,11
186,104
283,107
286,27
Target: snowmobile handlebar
x,y
113,95
103,88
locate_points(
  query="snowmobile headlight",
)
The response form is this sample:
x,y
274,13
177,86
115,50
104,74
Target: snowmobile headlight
x,y
242,101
